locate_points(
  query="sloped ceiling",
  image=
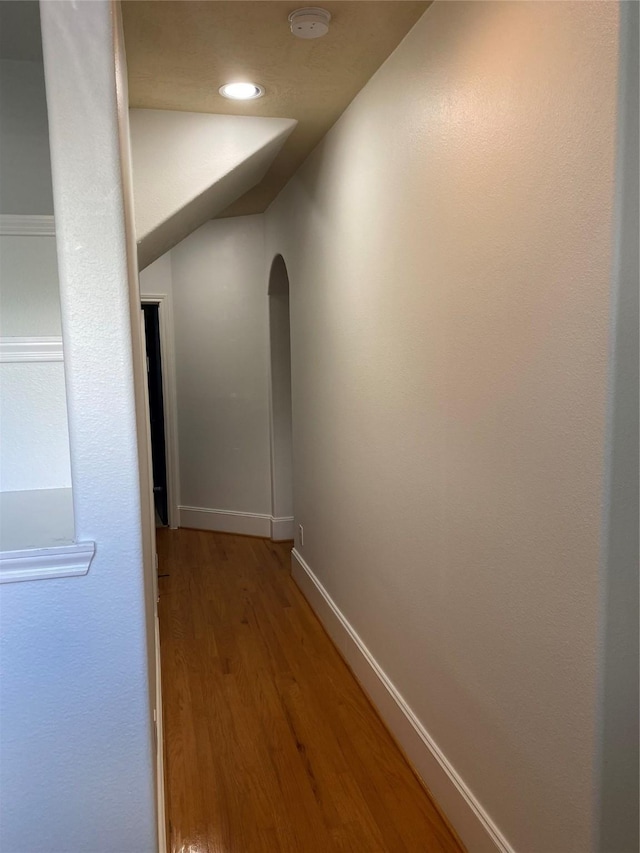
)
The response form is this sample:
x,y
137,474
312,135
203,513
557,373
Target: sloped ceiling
x,y
179,52
187,167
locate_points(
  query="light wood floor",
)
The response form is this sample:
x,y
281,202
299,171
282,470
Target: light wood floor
x,y
270,744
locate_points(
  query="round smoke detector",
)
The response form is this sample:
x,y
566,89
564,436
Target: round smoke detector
x,y
310,23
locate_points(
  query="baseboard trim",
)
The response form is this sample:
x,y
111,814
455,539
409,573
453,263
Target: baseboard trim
x,y
243,523
282,529
474,826
225,521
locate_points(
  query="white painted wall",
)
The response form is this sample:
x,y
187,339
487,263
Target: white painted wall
x,y
157,279
222,356
77,751
29,292
34,451
34,445
449,249
215,287
25,171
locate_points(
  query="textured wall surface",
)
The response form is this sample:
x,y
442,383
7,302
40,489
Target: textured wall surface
x,y
77,753
449,252
222,362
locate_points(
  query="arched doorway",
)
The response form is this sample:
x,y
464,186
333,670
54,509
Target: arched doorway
x,y
281,419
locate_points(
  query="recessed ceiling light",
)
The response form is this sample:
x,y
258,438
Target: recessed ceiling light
x,y
241,91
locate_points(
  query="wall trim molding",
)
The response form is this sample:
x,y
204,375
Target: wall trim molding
x,y
21,350
20,225
282,529
38,564
472,823
243,523
225,521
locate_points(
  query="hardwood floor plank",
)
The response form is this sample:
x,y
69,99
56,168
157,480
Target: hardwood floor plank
x,y
270,744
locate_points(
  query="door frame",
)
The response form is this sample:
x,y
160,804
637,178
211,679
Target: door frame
x,y
167,357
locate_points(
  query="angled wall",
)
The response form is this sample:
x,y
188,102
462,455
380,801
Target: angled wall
x,y
188,167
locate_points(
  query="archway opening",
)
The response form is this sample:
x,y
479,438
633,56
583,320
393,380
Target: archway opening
x,y
282,525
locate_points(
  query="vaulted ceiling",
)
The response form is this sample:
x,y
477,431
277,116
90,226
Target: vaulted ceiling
x,y
179,52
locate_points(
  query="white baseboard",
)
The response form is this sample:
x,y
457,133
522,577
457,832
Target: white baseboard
x,y
245,523
474,826
225,521
281,529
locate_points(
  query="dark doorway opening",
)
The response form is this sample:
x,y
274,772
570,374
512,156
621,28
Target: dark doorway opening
x,y
156,409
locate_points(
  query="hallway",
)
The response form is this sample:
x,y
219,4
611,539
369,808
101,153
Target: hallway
x,y
270,744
